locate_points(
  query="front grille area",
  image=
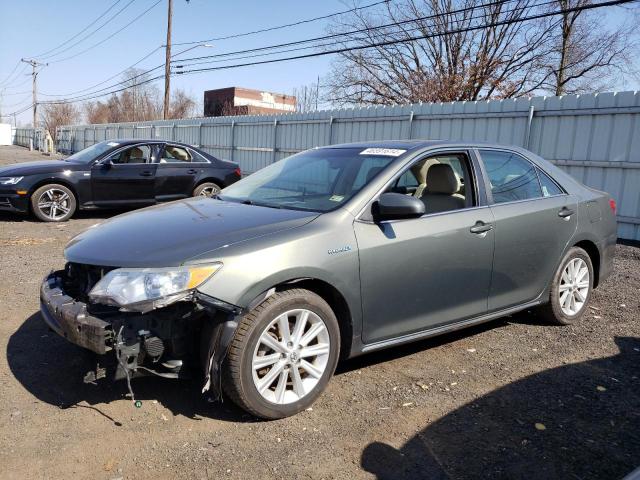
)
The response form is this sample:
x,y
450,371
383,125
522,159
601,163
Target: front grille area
x,y
80,278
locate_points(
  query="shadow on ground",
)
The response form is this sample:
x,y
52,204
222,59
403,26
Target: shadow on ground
x,y
579,421
52,369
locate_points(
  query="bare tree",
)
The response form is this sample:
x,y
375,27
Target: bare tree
x,y
308,97
181,105
586,52
446,50
58,114
139,101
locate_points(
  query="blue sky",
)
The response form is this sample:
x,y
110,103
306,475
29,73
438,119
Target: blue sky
x,y
30,27
35,26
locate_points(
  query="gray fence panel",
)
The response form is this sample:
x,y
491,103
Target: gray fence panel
x,y
596,138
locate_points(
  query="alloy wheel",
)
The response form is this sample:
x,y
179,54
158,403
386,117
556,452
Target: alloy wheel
x,y
54,203
574,286
209,191
291,356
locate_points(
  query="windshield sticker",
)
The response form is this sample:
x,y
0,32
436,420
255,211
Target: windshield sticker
x,y
336,198
390,152
113,144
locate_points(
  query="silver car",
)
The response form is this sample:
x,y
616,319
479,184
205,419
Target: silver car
x,y
325,255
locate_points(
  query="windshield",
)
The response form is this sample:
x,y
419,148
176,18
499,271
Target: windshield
x,y
91,153
316,180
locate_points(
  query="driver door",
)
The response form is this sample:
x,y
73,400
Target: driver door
x,y
422,273
125,178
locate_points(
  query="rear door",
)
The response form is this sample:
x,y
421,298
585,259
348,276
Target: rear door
x,y
177,173
534,220
421,273
125,177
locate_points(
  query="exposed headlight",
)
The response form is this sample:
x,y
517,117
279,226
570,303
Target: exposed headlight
x,y
144,289
10,180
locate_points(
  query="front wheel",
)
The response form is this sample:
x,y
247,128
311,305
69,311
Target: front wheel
x,y
53,203
282,355
570,289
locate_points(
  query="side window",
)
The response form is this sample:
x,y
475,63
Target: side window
x,y
369,168
197,157
512,177
175,154
407,180
549,187
439,182
137,154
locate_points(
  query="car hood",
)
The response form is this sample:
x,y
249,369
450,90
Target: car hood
x,y
34,168
170,234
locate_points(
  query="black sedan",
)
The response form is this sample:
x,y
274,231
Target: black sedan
x,y
111,174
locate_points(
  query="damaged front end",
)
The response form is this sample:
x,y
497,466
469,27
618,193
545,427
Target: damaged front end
x,y
167,339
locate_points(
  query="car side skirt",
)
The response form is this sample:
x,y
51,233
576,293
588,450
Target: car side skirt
x,y
451,327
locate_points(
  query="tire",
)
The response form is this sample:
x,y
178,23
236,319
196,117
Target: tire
x,y
53,203
555,311
240,380
206,189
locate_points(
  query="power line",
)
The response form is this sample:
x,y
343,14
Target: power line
x,y
104,81
80,32
279,27
219,38
352,39
10,74
374,45
110,36
271,47
43,57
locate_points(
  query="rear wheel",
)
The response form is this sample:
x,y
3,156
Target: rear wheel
x,y
207,189
53,203
283,354
571,289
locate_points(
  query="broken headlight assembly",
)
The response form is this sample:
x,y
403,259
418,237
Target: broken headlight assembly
x,y
145,289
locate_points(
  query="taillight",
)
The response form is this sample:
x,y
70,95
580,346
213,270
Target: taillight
x,y
612,205
239,172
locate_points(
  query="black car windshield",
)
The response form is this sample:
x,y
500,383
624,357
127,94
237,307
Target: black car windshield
x,y
316,180
91,153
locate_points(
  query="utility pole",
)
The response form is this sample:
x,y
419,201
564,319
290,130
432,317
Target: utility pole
x,y
34,73
167,63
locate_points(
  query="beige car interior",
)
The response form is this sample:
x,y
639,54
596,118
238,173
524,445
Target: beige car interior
x,y
133,155
439,186
172,154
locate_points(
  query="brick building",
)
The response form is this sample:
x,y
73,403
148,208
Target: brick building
x,y
244,101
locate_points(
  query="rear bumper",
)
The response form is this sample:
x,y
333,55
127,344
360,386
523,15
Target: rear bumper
x,y
69,318
607,252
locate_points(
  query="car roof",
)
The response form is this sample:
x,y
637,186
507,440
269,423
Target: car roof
x,y
420,144
131,141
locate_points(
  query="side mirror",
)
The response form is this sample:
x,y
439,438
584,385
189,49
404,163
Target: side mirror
x,y
395,206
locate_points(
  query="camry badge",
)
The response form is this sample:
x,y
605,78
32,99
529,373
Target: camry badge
x,y
333,251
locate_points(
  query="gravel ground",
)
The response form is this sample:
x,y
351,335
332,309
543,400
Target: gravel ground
x,y
513,398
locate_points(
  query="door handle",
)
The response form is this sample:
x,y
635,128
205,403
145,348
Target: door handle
x,y
146,173
480,227
565,212
192,171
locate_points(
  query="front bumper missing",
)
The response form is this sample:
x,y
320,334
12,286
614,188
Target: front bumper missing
x,y
161,342
69,318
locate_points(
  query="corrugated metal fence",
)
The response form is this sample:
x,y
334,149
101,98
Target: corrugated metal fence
x,y
596,138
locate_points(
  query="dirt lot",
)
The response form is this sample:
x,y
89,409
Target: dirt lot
x,y
510,399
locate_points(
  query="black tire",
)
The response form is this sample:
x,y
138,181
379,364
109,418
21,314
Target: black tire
x,y
55,193
552,310
237,374
206,187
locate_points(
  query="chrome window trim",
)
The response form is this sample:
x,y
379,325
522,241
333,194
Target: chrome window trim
x,y
416,158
